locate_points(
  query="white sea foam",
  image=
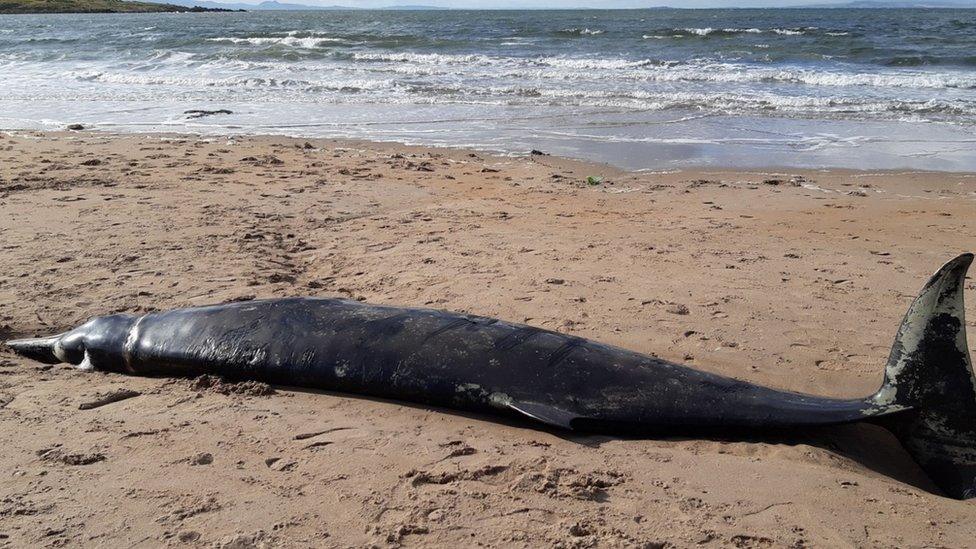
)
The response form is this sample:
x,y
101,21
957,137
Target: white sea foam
x,y
671,71
590,64
583,31
708,31
430,58
734,73
308,42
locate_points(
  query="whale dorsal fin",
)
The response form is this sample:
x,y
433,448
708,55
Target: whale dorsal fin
x,y
544,413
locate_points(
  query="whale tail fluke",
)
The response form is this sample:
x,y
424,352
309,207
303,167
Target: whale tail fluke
x,y
930,375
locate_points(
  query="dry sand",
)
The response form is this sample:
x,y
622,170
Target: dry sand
x,y
798,283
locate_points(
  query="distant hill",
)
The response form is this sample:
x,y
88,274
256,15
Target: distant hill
x,y
97,6
284,6
274,5
269,5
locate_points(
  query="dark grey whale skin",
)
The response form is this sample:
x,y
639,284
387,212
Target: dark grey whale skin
x,y
444,359
927,399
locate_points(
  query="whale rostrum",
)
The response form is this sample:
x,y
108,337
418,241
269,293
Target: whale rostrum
x,y
467,362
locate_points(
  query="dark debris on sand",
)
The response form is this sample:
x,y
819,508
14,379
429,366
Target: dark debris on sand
x,y
217,384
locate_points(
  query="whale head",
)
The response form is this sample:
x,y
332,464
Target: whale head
x,y
96,344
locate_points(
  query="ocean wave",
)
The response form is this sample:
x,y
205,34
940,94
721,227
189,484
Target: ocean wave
x,y
599,64
191,82
696,31
729,31
430,59
727,102
481,66
733,73
575,31
51,40
903,74
923,60
307,42
396,91
710,32
657,70
338,87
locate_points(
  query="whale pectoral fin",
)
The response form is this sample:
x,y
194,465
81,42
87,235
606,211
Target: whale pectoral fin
x,y
546,414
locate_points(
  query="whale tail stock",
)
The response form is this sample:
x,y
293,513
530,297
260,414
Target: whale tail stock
x,y
930,375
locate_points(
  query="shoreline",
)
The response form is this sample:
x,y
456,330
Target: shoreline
x,y
628,139
776,282
770,169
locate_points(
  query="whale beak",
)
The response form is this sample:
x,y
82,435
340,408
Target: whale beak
x,y
40,349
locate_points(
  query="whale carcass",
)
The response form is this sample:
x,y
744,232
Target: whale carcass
x,y
927,399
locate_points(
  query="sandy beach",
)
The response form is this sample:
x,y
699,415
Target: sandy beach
x,y
793,279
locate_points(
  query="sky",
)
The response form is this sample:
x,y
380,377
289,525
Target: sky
x,y
596,4
602,3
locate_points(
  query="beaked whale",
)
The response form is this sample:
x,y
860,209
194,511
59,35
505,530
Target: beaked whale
x,y
927,399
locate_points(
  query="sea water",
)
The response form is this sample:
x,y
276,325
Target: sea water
x,y
643,89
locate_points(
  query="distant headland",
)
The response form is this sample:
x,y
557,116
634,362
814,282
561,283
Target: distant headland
x,y
97,6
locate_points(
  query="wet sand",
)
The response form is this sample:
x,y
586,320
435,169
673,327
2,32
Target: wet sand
x,y
795,279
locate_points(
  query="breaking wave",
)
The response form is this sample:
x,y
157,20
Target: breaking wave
x,y
709,31
308,42
581,32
